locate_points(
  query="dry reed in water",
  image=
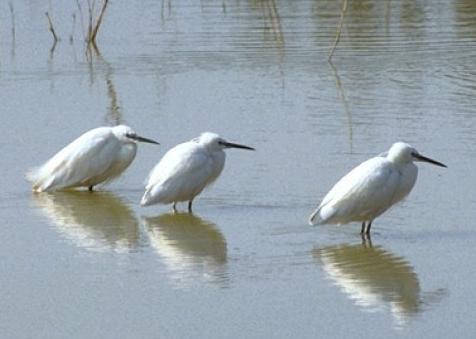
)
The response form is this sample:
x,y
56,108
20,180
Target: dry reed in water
x,y
51,27
339,29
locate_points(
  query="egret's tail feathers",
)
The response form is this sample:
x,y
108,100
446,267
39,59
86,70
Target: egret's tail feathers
x,y
315,217
143,201
156,194
40,181
146,199
324,214
34,177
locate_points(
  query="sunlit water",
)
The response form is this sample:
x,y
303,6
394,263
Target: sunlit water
x,y
246,264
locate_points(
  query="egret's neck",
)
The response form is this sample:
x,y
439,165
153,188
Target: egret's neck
x,y
218,155
398,159
212,150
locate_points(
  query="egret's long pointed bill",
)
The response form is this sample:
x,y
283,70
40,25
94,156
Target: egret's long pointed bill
x,y
431,161
142,139
232,145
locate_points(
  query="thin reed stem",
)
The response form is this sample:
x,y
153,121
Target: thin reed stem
x,y
339,29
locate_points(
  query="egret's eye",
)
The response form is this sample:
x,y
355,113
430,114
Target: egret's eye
x,y
414,154
130,135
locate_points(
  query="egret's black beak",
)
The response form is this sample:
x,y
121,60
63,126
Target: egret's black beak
x,y
420,157
232,145
142,139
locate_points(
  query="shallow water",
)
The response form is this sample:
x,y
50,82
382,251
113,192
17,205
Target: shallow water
x,y
246,264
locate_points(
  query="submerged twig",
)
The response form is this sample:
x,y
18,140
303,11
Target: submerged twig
x,y
339,29
51,27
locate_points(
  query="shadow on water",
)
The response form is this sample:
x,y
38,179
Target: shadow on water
x,y
98,221
376,279
190,247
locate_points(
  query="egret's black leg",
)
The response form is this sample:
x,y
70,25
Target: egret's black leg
x,y
90,188
366,240
174,207
362,231
190,206
367,231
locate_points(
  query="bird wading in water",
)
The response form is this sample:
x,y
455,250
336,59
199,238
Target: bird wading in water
x,y
371,188
186,169
99,155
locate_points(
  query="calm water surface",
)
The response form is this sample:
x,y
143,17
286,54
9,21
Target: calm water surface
x,y
246,264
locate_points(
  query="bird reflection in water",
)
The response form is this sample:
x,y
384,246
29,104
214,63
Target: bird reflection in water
x,y
98,221
190,247
376,279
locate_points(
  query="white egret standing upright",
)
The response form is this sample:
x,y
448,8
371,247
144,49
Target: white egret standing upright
x,y
186,169
98,155
371,188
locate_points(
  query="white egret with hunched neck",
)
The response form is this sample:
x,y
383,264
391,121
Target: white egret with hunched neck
x,y
186,169
371,188
99,155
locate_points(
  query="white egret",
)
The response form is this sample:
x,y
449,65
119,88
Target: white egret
x,y
371,188
186,169
97,156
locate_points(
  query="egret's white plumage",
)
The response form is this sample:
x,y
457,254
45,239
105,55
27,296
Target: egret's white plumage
x,y
371,188
186,169
98,155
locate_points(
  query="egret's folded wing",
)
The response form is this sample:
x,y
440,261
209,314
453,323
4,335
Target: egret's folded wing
x,y
88,156
368,188
182,169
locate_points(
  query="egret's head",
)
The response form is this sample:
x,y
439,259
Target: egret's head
x,y
127,135
214,142
402,153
